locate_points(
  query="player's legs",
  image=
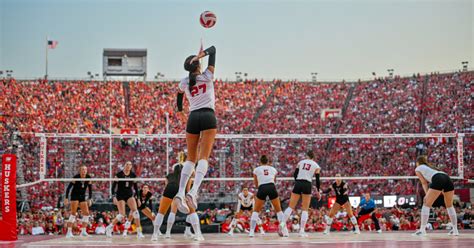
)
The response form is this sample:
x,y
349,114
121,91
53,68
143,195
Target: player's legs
x,y
294,198
192,141
72,218
428,201
254,218
305,201
205,148
85,217
330,217
132,204
448,201
119,218
347,206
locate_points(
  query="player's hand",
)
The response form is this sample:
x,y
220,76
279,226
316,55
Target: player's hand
x,y
66,202
318,195
114,200
181,116
139,203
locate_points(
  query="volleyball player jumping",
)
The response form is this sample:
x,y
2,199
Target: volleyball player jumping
x,y
201,127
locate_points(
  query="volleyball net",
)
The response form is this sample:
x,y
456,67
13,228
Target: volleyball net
x,y
48,157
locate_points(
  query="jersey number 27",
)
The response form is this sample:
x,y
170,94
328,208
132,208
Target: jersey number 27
x,y
196,89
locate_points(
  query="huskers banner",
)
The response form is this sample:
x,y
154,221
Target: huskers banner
x,y
8,198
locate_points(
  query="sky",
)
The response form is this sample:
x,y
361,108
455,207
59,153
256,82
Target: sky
x,y
266,39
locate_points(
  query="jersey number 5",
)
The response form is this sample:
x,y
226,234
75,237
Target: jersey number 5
x,y
196,89
306,167
265,172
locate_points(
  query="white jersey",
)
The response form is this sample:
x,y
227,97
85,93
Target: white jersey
x,y
306,169
427,172
246,201
202,94
265,174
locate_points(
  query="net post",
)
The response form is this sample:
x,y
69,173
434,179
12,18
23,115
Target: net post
x,y
43,146
460,148
110,152
167,115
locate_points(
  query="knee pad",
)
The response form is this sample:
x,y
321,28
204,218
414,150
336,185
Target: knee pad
x,y
72,218
136,214
119,217
202,167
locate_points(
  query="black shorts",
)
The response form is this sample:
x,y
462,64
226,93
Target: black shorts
x,y
200,120
441,181
143,206
249,208
265,190
80,198
124,196
302,187
342,200
171,190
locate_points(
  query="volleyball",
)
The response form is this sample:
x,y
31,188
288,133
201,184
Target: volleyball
x,y
208,19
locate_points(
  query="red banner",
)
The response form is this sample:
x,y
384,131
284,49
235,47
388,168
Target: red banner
x,y
8,198
129,131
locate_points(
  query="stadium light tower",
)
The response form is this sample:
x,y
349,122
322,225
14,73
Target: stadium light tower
x,y
159,75
464,65
9,73
238,76
314,76
390,73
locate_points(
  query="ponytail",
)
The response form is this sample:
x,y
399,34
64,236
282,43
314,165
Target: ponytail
x,y
192,81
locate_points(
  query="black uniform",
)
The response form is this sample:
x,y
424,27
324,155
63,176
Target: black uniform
x,y
79,189
341,190
145,200
200,120
172,187
123,189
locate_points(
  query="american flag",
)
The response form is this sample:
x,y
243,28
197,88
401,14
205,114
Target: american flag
x,y
52,44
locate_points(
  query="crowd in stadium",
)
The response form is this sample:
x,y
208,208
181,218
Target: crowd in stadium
x,y
52,221
431,103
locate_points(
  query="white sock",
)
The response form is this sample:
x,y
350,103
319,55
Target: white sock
x,y
280,216
288,212
253,221
69,229
232,225
187,229
195,223
186,172
425,214
453,217
127,226
170,222
304,219
201,170
157,223
354,222
329,221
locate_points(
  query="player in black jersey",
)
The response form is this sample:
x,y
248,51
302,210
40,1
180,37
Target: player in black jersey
x,y
166,202
144,202
123,193
342,202
79,199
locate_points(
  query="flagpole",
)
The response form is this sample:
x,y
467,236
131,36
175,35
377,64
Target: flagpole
x,y
46,74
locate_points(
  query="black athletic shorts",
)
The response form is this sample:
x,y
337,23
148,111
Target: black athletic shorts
x,y
124,196
200,120
143,206
249,208
80,198
302,187
441,181
171,190
265,190
342,200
